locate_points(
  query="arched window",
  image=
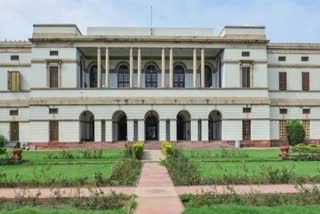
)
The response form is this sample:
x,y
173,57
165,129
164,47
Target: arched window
x,y
123,76
178,76
93,72
151,76
208,76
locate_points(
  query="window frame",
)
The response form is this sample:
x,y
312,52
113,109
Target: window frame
x,y
305,81
13,112
245,53
246,129
179,76
123,77
14,57
151,78
54,53
282,81
282,58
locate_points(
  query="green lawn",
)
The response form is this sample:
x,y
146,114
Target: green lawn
x,y
60,211
232,209
37,166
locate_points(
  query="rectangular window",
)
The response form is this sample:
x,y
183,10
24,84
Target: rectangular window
x,y
54,53
14,131
282,81
167,129
199,130
306,111
54,131
306,126
304,59
53,76
305,81
246,110
246,77
245,53
14,80
14,57
283,111
135,130
14,112
53,111
282,129
282,58
246,129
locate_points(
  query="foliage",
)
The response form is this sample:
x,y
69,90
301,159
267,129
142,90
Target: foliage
x,y
305,152
3,141
181,169
168,149
295,132
83,154
278,175
137,149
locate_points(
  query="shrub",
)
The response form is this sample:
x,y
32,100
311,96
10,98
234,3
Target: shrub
x,y
168,149
138,150
295,132
2,144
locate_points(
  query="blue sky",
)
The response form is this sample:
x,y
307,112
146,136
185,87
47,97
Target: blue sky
x,y
285,20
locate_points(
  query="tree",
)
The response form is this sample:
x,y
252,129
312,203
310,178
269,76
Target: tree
x,y
295,132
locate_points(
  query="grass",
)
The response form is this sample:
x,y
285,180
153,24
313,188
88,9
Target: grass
x,y
61,211
234,209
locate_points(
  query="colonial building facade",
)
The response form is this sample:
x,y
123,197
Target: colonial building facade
x,y
126,84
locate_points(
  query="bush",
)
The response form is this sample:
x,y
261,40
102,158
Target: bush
x,y
3,141
138,150
168,149
295,132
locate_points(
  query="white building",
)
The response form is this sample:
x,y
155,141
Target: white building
x,y
117,84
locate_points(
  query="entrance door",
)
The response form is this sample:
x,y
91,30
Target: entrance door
x,y
14,131
54,131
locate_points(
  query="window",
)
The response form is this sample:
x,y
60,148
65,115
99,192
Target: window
x,y
304,59
283,111
306,111
14,131
305,81
151,77
246,110
14,57
14,112
53,76
178,76
123,77
246,129
282,58
14,80
54,131
54,53
306,126
282,129
246,77
282,81
245,53
53,111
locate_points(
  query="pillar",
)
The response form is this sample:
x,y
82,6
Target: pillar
x,y
109,130
131,67
163,68
202,68
130,130
107,68
99,67
139,67
194,67
141,130
162,130
173,130
194,130
205,130
171,68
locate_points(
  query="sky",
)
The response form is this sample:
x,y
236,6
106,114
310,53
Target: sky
x,y
285,20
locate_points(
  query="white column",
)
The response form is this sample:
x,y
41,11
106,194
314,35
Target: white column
x,y
194,67
107,68
99,67
194,130
162,130
202,68
139,67
97,131
205,130
173,130
109,130
171,68
163,68
130,130
131,67
141,130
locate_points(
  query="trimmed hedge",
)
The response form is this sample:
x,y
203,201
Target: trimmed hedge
x,y
138,150
302,151
168,149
